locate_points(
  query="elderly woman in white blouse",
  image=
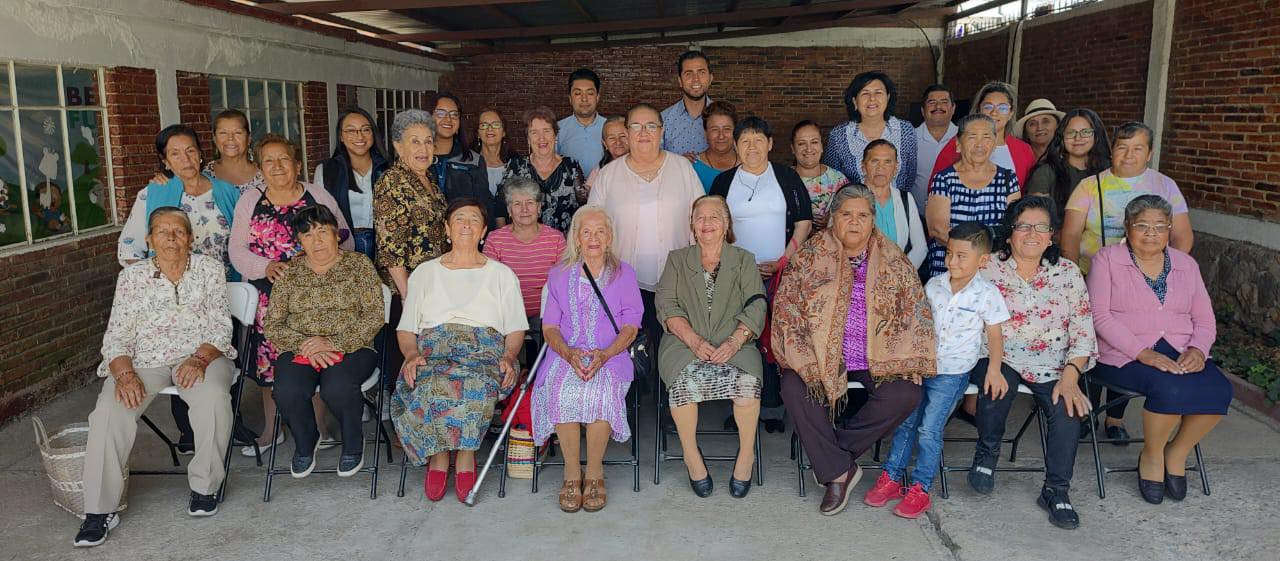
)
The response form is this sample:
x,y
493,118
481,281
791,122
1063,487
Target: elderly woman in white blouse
x,y
170,325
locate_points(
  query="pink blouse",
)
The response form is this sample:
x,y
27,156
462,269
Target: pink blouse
x,y
1129,318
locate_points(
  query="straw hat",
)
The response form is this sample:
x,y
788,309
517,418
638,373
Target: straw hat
x,y
1037,107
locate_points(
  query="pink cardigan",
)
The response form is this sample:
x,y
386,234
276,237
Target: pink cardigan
x,y
1129,318
253,266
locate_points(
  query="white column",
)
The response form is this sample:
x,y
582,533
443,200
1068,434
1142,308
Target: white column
x,y
1158,72
167,95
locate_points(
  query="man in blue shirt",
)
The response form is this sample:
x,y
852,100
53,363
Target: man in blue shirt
x,y
580,133
682,122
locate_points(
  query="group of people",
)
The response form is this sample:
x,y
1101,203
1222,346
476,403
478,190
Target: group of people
x,y
909,262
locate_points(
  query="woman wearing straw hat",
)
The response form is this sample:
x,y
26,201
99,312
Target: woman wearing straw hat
x,y
1037,125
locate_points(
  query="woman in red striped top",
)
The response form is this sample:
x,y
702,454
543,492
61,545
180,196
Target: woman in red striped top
x,y
528,247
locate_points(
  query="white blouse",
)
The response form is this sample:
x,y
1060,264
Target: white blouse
x,y
488,296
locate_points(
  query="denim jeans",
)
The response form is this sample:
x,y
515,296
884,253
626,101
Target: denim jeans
x,y
923,428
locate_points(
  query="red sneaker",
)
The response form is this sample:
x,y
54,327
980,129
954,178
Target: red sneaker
x,y
885,490
916,502
434,483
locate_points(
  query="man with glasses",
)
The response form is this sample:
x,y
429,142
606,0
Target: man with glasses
x,y
684,133
580,133
938,107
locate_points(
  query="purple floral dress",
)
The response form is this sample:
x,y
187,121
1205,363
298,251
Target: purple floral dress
x,y
271,236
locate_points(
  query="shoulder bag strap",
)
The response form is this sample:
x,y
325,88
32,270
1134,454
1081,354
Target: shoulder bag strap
x,y
600,296
906,211
1102,217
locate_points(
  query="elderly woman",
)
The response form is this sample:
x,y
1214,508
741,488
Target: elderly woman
x,y
208,203
614,137
973,189
460,334
821,180
593,314
1048,343
1155,327
1079,149
325,309
718,120
997,101
263,243
711,302
525,245
559,178
491,142
870,99
1038,125
844,279
170,325
233,164
358,161
896,216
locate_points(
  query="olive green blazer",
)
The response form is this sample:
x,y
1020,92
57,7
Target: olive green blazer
x,y
682,292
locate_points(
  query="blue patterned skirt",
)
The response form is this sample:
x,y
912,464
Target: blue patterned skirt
x,y
451,403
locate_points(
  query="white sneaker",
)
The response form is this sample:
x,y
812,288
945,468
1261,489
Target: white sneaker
x,y
247,451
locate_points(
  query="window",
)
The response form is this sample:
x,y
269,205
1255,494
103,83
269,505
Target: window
x,y
387,104
272,106
54,175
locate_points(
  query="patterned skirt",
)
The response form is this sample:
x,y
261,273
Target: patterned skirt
x,y
451,402
560,396
266,351
707,381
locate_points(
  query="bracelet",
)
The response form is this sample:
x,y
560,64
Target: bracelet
x,y
1078,371
117,377
204,362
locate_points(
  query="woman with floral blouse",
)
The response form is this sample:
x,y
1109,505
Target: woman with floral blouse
x,y
561,179
1048,343
263,242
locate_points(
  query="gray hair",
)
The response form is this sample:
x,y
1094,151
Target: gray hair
x,y
521,186
1143,203
168,211
967,120
573,253
852,191
409,118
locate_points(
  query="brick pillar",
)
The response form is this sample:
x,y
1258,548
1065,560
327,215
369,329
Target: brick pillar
x,y
134,114
315,123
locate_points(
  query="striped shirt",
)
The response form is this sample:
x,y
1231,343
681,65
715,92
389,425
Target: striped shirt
x,y
530,261
984,205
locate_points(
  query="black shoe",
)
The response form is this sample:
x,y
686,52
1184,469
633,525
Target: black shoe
x,y
739,489
1119,435
203,505
186,445
1175,486
1058,505
703,487
301,466
730,423
982,476
1151,491
93,531
774,425
1086,427
350,464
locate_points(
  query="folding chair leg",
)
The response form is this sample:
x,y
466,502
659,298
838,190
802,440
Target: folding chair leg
x,y
173,448
1204,475
235,421
271,463
378,435
502,477
404,472
657,435
759,458
1017,438
1099,470
635,441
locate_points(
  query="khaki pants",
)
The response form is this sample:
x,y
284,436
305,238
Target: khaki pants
x,y
112,428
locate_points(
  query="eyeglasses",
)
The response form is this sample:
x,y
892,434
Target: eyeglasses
x,y
649,127
1003,108
496,125
1039,228
362,131
442,114
1082,133
1159,228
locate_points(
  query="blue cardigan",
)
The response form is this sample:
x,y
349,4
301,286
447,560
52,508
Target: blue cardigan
x,y
225,196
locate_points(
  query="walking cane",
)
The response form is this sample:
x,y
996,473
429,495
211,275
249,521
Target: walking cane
x,y
471,497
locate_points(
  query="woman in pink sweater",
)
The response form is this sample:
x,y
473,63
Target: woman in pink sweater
x,y
1155,326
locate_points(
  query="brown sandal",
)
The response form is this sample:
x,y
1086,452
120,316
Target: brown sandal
x,y
571,496
594,495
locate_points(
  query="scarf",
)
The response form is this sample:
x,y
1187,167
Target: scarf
x,y
812,306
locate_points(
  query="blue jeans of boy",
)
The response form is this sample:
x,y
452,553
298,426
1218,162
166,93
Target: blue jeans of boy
x,y
923,428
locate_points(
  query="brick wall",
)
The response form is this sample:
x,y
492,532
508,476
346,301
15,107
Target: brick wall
x,y
1222,128
1096,60
135,118
195,108
346,96
315,124
970,64
783,85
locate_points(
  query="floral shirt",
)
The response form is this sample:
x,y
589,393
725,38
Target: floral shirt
x,y
563,191
157,323
271,230
821,189
846,142
258,182
344,304
408,219
211,230
1049,318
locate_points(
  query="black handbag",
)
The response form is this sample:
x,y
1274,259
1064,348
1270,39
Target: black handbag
x,y
639,347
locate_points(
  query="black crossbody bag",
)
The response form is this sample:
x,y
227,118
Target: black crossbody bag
x,y
639,349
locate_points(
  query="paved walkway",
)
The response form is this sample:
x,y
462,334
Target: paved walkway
x,y
324,517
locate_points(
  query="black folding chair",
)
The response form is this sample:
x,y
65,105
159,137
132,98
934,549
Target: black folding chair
x,y
1035,414
660,453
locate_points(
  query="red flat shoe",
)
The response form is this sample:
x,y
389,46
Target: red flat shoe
x,y
434,483
463,481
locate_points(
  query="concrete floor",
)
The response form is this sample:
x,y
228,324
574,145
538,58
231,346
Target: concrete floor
x,y
324,517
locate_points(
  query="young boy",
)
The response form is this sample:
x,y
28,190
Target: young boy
x,y
964,306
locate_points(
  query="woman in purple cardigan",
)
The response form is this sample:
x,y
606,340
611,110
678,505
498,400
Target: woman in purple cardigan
x,y
1155,326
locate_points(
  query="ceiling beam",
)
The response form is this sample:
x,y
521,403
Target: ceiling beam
x,y
631,25
583,10
335,6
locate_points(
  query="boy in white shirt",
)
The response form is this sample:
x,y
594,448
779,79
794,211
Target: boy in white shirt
x,y
965,306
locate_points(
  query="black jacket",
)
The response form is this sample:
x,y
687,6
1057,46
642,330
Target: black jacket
x,y
799,206
460,175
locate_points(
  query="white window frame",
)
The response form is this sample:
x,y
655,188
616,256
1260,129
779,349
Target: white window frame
x,y
267,109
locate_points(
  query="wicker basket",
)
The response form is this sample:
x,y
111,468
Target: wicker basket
x,y
63,455
520,455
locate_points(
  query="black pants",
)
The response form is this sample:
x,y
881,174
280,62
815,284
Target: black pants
x,y
1064,430
340,390
388,344
653,331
